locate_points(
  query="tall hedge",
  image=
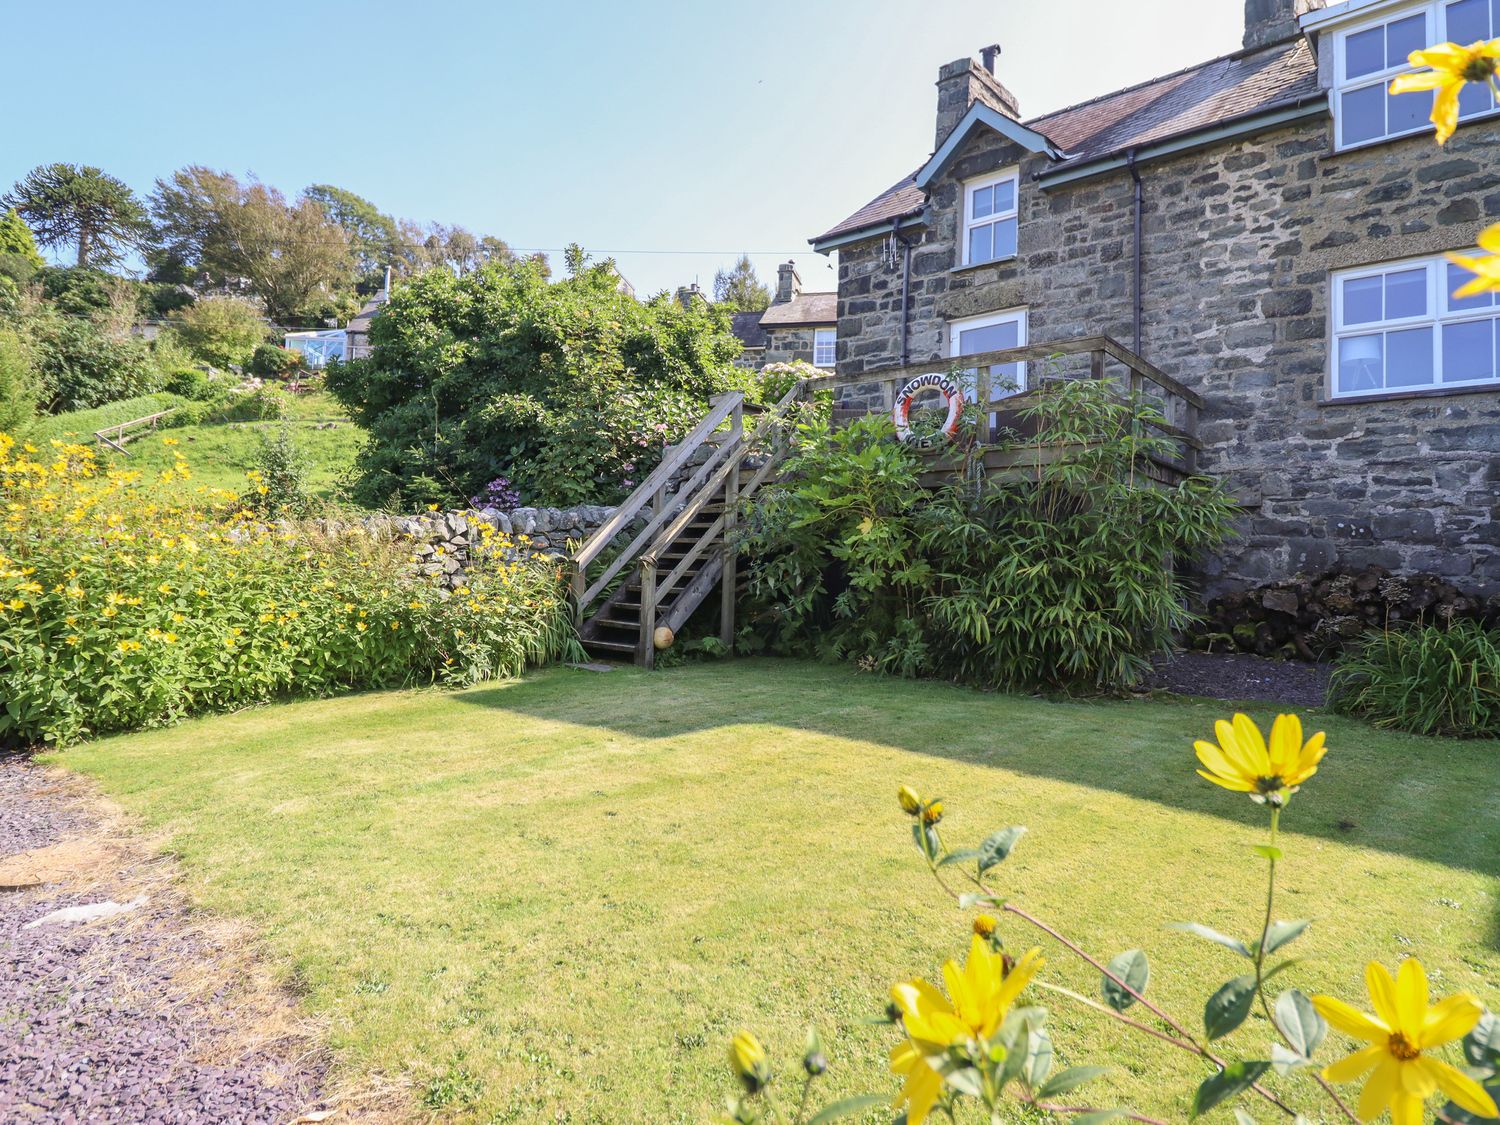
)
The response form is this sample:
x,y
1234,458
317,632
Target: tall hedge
x,y
569,389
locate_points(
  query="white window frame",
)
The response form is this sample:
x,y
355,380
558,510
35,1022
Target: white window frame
x,y
1016,316
1436,13
833,345
1438,316
1013,175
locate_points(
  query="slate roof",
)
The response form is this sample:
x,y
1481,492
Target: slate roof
x,y
1185,102
746,328
805,308
361,320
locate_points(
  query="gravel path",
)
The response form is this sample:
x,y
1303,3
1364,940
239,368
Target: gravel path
x,y
96,1024
1236,676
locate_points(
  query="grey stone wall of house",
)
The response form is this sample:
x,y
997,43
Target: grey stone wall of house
x,y
1239,242
788,344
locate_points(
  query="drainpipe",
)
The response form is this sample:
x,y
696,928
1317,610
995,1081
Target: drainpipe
x,y
1135,176
905,289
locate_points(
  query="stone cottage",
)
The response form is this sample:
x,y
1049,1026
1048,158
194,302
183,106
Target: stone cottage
x,y
797,325
1268,228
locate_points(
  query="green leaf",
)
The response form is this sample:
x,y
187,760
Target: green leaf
x,y
1227,1008
1299,1021
972,899
1269,851
1203,931
1281,966
1242,1118
1038,1058
997,847
1234,1079
846,1107
966,1080
1283,932
1482,1045
1284,1061
1098,1116
959,857
1070,1079
1132,968
926,839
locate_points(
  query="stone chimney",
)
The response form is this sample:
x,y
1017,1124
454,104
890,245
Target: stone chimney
x,y
1274,21
688,295
963,82
788,283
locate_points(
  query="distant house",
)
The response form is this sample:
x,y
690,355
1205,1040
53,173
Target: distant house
x,y
797,325
318,347
357,332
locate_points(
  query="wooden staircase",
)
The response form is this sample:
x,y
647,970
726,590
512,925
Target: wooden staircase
x,y
624,598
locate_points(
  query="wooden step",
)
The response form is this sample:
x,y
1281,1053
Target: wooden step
x,y
611,646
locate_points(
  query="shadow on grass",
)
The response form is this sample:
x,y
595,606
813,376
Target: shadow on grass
x,y
1429,799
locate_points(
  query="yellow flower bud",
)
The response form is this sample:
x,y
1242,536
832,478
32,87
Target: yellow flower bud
x,y
749,1060
933,813
911,804
984,925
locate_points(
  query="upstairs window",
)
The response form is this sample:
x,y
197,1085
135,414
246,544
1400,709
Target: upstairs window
x,y
1368,56
990,218
1399,328
825,346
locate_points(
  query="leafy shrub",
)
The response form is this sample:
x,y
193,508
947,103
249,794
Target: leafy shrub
x,y
1434,679
567,389
272,362
160,600
82,365
1060,576
223,331
19,386
278,479
191,382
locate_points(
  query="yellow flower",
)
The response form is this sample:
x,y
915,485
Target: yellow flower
x,y
911,803
979,996
748,1058
1403,1027
361,626
71,639
984,925
164,588
1451,67
1242,762
933,813
1486,268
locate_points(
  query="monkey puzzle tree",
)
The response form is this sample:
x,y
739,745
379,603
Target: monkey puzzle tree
x,y
64,204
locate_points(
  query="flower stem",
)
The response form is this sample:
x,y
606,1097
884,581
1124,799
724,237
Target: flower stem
x,y
1050,1108
1185,1040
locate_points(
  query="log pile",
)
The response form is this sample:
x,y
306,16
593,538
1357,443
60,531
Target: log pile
x,y
1315,618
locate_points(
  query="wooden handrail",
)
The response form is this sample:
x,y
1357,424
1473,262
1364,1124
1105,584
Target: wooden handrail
x,y
119,428
1025,353
646,491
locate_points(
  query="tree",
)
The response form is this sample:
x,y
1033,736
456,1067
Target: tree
x,y
19,386
221,331
65,203
568,389
16,240
374,237
225,234
740,288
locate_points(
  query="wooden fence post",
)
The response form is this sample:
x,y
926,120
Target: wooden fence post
x,y
729,573
645,652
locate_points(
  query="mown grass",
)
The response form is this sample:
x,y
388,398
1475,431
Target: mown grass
x,y
220,452
555,899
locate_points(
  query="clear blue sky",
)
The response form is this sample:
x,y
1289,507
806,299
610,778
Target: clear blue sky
x,y
659,125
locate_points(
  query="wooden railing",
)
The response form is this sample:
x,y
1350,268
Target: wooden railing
x,y
1107,359
652,492
729,485
118,441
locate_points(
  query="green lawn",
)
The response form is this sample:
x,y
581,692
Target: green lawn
x,y
219,453
555,899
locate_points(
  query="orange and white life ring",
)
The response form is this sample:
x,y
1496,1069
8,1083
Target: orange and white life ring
x,y
951,392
